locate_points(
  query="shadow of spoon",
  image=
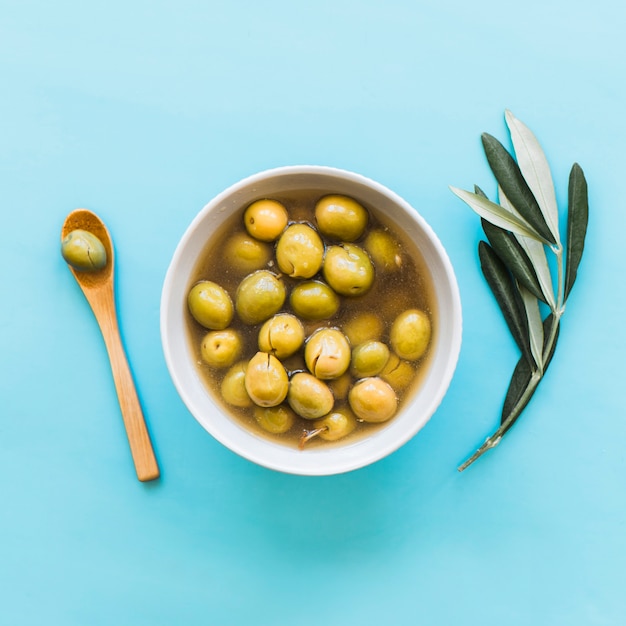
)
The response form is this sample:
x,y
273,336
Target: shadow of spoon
x,y
98,287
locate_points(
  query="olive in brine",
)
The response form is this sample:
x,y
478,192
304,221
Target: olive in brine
x,y
397,373
373,400
221,348
338,424
384,250
244,254
300,251
210,305
340,218
83,251
309,397
281,335
410,334
340,386
327,353
265,219
274,419
369,359
348,269
266,380
259,296
233,387
314,300
364,326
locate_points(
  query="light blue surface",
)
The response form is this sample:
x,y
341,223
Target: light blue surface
x,y
142,111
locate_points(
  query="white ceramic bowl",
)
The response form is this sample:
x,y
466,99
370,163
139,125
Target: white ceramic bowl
x,y
181,362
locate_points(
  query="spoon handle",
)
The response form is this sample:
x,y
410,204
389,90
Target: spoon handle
x,y
140,445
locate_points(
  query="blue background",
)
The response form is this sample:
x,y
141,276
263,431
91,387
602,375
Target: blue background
x,y
142,111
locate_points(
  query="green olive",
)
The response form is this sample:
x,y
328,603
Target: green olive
x,y
309,397
341,218
265,219
373,400
274,419
83,251
337,424
327,353
364,326
348,269
410,334
210,305
340,386
281,335
369,359
221,348
244,254
397,373
233,386
266,380
259,296
314,300
300,251
384,250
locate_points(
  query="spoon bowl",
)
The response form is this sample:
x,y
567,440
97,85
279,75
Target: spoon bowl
x,y
82,219
98,287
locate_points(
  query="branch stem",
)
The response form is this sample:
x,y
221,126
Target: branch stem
x,y
535,379
494,440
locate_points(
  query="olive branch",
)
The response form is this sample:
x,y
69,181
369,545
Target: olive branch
x,y
521,230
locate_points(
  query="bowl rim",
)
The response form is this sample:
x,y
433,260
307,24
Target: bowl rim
x,y
330,463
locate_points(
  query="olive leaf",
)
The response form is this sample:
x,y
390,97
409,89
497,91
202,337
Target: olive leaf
x,y
479,192
506,295
520,381
537,254
508,248
535,326
535,170
578,216
496,214
522,373
510,178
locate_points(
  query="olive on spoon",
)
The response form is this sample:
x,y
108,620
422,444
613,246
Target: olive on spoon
x,y
87,247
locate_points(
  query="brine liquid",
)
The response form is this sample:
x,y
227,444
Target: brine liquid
x,y
408,287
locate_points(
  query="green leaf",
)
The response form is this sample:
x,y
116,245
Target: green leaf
x,y
536,252
535,326
507,296
523,372
577,219
479,192
506,204
535,170
508,248
519,383
495,213
510,178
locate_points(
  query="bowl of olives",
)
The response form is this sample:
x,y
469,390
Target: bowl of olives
x,y
310,320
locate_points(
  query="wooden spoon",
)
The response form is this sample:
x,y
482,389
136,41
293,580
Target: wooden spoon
x,y
99,290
